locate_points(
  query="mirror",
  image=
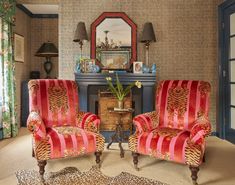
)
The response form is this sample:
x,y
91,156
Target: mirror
x,y
113,41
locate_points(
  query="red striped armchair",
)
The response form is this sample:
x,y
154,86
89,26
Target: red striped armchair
x,y
176,130
58,127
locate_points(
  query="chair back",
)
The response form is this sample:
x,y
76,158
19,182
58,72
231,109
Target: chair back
x,y
55,100
181,102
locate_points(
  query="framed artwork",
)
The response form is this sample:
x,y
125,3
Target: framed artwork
x,y
87,65
138,67
18,48
115,59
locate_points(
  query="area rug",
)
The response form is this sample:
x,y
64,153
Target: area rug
x,y
72,176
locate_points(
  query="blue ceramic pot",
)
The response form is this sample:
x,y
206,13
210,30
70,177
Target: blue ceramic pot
x,y
78,68
154,68
145,69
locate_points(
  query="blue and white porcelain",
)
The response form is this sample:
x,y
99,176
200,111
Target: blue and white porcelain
x,y
145,69
95,69
78,68
154,68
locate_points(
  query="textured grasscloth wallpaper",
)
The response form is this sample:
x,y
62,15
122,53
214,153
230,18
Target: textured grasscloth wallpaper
x,y
22,27
35,32
186,31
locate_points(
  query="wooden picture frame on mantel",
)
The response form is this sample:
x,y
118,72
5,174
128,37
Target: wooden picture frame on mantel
x,y
18,48
124,60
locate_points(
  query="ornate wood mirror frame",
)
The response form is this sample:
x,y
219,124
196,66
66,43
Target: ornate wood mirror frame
x,y
114,51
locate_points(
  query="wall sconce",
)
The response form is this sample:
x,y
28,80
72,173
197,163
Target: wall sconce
x,y
47,50
147,37
80,34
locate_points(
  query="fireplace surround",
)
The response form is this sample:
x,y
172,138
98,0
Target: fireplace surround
x,y
90,83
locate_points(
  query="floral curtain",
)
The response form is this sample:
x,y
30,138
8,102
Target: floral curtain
x,y
8,124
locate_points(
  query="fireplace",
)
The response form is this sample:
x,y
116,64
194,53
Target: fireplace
x,y
92,99
90,83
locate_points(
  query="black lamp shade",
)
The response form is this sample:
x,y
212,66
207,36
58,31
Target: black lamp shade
x,y
148,33
80,33
47,49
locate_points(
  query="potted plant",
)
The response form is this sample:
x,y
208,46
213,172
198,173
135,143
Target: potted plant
x,y
119,91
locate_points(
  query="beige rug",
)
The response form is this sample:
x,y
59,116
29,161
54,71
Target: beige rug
x,y
72,176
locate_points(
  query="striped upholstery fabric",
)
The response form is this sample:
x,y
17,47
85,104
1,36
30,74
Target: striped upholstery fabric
x,y
181,102
70,141
50,99
59,128
176,131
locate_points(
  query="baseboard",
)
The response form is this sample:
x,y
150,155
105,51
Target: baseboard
x,y
215,134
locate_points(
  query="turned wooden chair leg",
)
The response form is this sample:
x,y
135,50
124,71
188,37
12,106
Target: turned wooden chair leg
x,y
204,158
33,154
135,160
97,155
194,170
42,164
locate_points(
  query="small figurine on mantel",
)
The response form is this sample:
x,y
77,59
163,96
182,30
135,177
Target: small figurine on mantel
x,y
78,67
146,69
95,69
154,68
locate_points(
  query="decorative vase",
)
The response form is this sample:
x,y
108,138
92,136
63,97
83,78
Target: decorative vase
x,y
154,68
146,69
120,104
95,68
78,68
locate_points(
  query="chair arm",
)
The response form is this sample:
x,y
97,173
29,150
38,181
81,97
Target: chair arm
x,y
200,130
146,122
88,121
36,126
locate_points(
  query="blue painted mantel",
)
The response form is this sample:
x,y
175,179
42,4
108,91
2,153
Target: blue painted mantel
x,y
87,80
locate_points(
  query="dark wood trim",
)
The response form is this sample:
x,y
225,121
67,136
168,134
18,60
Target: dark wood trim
x,y
226,4
24,9
48,16
232,59
30,14
223,105
220,94
231,36
233,106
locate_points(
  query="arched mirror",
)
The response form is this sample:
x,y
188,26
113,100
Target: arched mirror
x,y
113,41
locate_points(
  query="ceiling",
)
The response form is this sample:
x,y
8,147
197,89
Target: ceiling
x,y
42,8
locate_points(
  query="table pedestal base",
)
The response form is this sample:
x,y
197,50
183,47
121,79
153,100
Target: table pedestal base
x,y
118,136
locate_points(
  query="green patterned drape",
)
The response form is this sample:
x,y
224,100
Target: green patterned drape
x,y
7,70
